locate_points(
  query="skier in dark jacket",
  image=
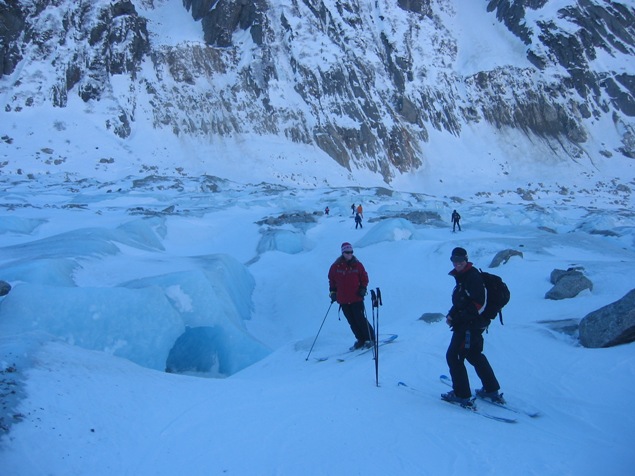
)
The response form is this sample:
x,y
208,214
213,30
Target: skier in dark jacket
x,y
348,281
468,297
358,221
456,218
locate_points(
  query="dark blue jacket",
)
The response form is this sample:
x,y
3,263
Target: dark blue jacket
x,y
468,298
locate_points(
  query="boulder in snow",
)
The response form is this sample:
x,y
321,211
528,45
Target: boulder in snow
x,y
610,325
567,284
502,257
4,288
431,317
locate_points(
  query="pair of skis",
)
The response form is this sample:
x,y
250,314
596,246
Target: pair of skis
x,y
521,410
473,408
349,354
375,295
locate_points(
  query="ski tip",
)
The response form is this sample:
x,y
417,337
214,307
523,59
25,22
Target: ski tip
x,y
402,384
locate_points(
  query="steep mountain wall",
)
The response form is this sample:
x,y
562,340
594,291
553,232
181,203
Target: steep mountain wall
x,y
367,82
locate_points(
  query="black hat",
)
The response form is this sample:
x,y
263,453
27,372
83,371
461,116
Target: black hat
x,y
459,254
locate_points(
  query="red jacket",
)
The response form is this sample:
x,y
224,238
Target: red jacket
x,y
345,278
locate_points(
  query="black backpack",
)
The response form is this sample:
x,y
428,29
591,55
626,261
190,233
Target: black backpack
x,y
497,296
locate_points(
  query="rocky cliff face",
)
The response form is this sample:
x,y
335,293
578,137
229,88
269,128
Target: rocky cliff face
x,y
364,81
573,41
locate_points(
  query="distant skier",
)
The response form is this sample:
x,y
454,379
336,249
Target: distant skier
x,y
467,327
358,221
360,210
326,211
455,221
348,281
353,209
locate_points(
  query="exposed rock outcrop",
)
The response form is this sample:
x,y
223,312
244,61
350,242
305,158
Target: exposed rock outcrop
x,y
610,325
4,288
365,83
503,257
567,284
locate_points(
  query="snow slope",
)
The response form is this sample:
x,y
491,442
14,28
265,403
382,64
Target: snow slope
x,y
84,406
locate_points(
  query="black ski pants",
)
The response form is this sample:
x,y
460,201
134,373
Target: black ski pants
x,y
356,316
468,344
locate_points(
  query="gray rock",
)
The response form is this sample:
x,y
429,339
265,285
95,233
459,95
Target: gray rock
x,y
431,317
417,217
293,218
502,257
610,325
556,274
4,288
12,19
567,284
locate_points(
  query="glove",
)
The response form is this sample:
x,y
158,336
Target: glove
x,y
333,296
460,317
361,292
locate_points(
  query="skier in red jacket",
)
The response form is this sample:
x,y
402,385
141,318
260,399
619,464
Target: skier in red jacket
x,y
348,281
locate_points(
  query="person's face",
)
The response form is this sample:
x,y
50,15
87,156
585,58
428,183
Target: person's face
x,y
459,264
348,255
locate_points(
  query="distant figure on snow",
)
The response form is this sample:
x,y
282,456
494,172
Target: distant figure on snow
x,y
348,281
326,211
360,210
467,327
353,209
358,221
455,221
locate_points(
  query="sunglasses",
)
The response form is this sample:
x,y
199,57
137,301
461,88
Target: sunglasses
x,y
348,253
458,259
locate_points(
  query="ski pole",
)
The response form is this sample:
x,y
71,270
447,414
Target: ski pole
x,y
373,297
318,332
376,304
369,325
